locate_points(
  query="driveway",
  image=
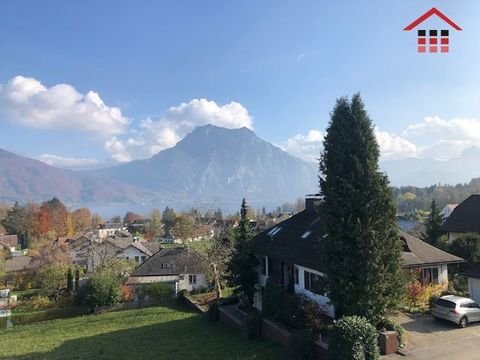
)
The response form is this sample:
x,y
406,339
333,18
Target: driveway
x,y
428,339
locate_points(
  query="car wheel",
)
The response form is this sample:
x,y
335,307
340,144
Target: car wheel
x,y
463,322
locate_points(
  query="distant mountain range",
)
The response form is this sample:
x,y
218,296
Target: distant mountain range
x,y
211,164
426,172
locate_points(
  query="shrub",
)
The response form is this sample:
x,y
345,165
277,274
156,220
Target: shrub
x,y
272,298
254,322
301,346
160,290
212,312
314,316
105,289
40,302
391,325
127,293
140,293
421,296
354,338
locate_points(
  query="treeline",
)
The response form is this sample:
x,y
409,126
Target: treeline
x,y
411,198
49,219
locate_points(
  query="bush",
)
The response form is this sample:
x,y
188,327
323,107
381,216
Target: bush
x,y
354,338
105,289
421,296
391,325
212,312
272,298
254,323
301,347
40,302
160,290
127,293
282,306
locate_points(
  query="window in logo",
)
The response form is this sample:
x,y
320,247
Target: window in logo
x,y
433,40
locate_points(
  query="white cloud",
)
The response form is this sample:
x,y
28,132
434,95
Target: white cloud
x,y
26,101
157,135
306,147
394,147
68,162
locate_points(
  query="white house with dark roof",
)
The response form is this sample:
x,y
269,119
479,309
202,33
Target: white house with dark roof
x,y
180,267
289,255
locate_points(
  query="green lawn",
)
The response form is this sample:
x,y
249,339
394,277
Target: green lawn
x,y
150,333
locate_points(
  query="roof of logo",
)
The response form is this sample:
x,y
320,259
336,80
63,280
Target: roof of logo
x,y
432,11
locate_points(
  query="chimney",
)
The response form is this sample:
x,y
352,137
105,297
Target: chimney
x,y
312,201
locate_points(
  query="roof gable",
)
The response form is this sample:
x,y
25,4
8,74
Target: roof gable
x,y
465,217
428,14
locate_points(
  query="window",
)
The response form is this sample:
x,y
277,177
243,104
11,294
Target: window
x,y
429,275
137,259
142,258
167,266
192,279
295,274
315,283
433,41
305,235
264,265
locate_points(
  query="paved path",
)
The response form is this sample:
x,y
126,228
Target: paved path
x,y
429,339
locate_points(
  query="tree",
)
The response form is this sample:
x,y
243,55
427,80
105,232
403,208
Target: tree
x,y
53,278
155,226
105,289
216,253
433,226
362,254
97,220
242,263
467,246
168,218
130,217
53,215
20,221
116,219
82,220
183,228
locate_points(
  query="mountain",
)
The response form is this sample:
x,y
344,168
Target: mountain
x,y
210,165
426,172
214,164
24,179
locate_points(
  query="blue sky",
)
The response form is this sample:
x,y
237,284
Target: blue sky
x,y
156,69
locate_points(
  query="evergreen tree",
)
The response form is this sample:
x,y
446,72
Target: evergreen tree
x,y
361,252
433,227
242,263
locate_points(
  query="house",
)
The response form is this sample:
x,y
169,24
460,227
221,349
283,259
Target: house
x,y
180,267
109,229
289,255
473,277
91,252
432,40
465,218
10,240
447,211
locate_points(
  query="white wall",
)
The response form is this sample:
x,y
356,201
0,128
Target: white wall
x,y
474,288
130,253
322,300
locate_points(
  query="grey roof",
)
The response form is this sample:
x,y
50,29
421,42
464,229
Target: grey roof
x,y
18,263
182,260
419,253
296,241
11,240
465,217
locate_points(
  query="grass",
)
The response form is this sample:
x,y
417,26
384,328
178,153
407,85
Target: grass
x,y
150,333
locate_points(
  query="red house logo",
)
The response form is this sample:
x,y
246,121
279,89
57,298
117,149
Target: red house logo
x,y
432,40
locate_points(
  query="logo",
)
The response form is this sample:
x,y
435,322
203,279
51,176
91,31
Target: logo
x,y
433,40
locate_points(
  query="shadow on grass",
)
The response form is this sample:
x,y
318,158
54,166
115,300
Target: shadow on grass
x,y
189,338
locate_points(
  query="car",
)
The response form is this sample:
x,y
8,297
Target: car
x,y
459,310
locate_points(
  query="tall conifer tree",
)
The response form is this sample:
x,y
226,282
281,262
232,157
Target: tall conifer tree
x,y
362,250
433,227
241,266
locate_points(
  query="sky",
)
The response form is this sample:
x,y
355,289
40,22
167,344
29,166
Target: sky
x,y
95,83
